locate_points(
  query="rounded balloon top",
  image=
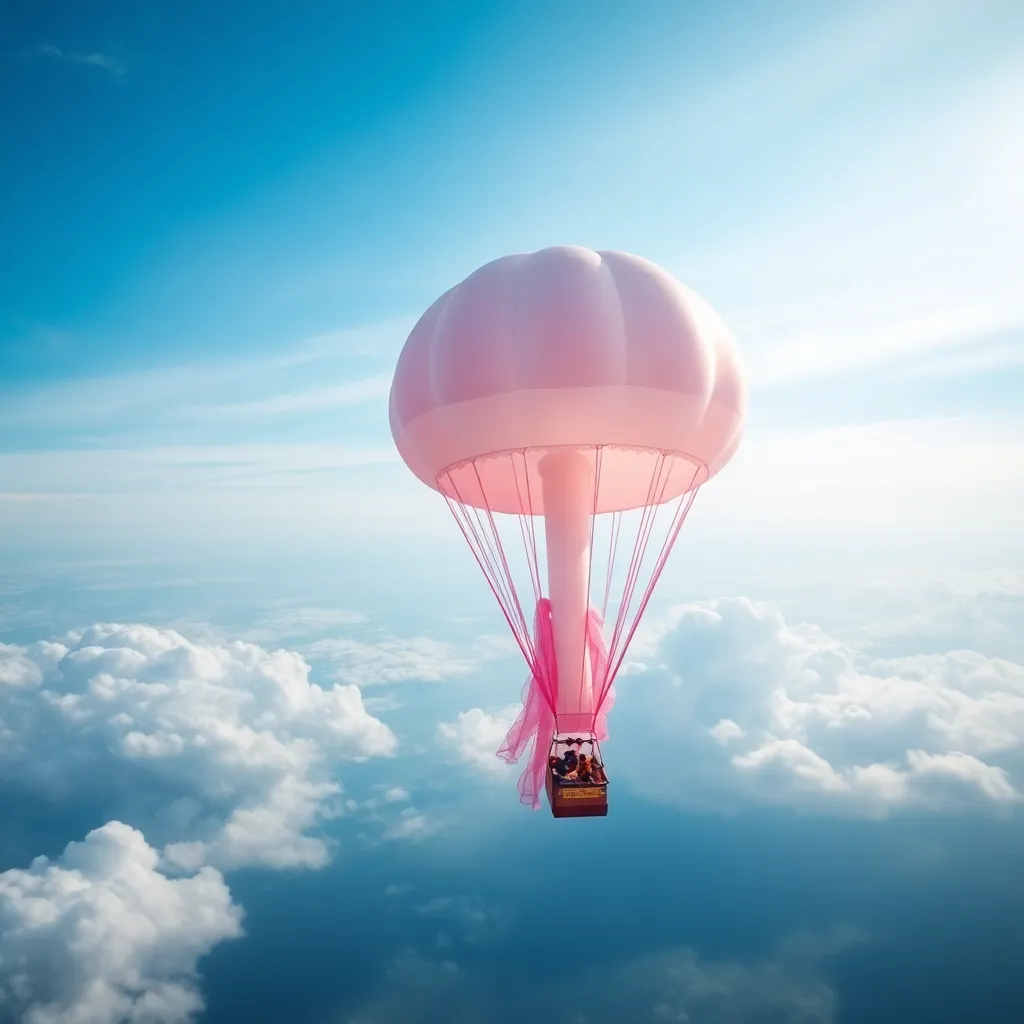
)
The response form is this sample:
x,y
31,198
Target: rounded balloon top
x,y
568,347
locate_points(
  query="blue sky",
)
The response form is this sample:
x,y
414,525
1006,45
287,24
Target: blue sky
x,y
219,236
248,665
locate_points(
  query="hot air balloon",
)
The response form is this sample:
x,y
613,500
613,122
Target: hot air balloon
x,y
561,402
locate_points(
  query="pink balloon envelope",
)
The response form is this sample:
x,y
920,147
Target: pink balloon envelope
x,y
566,384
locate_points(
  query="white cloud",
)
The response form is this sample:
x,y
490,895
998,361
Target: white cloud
x,y
477,922
905,481
411,824
372,501
475,736
208,467
405,659
276,382
100,936
727,730
284,622
908,483
412,991
931,610
786,987
95,59
306,400
948,336
760,711
17,668
238,735
388,795
894,486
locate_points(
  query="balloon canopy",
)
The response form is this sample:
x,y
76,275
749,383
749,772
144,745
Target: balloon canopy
x,y
588,391
566,347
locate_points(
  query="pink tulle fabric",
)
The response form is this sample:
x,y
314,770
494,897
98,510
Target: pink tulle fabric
x,y
537,721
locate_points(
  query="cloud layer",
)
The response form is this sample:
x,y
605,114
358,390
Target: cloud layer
x,y
222,755
229,747
787,986
475,736
406,659
747,709
101,936
787,715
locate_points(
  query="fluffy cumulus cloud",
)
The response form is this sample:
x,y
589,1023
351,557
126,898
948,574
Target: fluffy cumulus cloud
x,y
411,825
756,710
101,936
230,747
476,734
766,711
17,667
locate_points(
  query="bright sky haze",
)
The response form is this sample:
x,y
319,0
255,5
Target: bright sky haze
x,y
247,664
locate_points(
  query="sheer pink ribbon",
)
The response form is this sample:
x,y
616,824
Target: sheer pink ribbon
x,y
537,721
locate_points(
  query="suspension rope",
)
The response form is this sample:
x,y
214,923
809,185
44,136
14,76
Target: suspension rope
x,y
616,657
482,528
477,545
639,547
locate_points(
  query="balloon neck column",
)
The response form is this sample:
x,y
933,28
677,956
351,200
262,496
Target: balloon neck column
x,y
567,486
